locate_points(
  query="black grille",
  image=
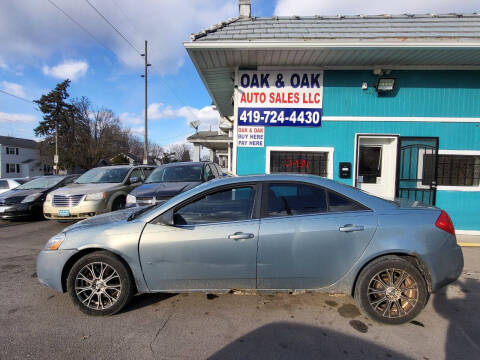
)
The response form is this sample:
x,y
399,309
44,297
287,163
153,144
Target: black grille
x,y
300,162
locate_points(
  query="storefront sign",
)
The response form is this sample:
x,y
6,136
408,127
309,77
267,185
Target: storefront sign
x,y
279,98
250,136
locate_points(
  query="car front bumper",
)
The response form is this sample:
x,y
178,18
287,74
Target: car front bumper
x,y
50,264
15,211
83,210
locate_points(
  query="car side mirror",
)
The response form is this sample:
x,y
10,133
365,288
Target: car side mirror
x,y
166,218
133,180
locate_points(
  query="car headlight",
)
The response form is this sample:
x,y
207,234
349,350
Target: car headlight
x,y
96,196
131,199
31,198
49,197
55,241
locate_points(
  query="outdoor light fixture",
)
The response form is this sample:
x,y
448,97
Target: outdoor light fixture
x,y
385,85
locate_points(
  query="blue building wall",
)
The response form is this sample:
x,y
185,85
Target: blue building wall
x,y
419,94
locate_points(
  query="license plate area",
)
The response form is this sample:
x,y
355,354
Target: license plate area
x,y
63,212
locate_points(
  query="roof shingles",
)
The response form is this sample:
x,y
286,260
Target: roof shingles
x,y
401,27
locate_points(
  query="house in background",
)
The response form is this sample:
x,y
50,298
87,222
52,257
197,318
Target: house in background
x,y
21,158
386,103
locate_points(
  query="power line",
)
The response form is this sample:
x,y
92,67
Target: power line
x,y
85,30
16,96
113,27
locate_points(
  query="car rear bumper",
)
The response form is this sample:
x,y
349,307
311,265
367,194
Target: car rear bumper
x,y
446,265
50,264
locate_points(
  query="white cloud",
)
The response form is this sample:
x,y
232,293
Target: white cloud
x,y
69,69
207,115
128,118
13,117
370,7
44,30
13,88
3,64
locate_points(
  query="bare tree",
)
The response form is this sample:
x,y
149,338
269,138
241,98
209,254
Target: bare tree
x,y
180,152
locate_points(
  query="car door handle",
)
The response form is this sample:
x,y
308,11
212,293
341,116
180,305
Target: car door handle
x,y
350,228
240,236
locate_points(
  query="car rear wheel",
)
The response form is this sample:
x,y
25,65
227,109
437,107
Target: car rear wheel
x,y
100,284
391,290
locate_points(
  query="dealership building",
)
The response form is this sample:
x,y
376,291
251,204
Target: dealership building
x,y
389,103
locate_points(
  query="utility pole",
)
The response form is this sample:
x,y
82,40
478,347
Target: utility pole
x,y
145,144
55,158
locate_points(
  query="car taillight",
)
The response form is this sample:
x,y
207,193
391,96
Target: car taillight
x,y
443,222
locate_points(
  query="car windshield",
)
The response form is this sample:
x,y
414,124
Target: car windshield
x,y
176,174
41,183
103,175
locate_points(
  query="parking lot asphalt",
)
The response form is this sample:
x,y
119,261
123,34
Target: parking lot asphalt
x,y
37,322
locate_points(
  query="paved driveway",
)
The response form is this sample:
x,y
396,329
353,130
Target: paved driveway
x,y
37,322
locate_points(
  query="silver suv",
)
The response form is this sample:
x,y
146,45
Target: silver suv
x,y
97,191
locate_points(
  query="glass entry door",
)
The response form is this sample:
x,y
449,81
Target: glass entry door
x,y
376,164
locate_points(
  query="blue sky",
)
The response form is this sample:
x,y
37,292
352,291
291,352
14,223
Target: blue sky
x,y
40,46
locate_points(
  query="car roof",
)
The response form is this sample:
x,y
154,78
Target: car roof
x,y
185,163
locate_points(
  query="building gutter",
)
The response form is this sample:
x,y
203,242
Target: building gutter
x,y
303,44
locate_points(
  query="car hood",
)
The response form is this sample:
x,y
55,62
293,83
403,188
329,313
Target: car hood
x,y
15,196
80,189
116,216
166,189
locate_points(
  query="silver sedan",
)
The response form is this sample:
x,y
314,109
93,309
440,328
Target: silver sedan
x,y
264,233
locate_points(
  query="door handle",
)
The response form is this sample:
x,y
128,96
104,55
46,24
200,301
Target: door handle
x,y
240,236
350,228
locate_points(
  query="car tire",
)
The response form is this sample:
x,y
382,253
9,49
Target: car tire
x,y
106,290
391,290
118,203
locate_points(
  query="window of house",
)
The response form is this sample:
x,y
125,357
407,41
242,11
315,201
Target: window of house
x,y
300,162
370,163
16,151
295,199
11,168
222,206
452,170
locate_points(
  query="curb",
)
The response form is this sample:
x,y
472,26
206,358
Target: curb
x,y
468,244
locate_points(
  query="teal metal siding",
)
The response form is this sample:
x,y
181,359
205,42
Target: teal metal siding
x,y
420,94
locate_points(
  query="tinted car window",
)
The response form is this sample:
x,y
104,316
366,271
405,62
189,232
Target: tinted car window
x,y
295,199
219,169
338,203
208,171
222,206
214,169
3,184
137,173
147,171
180,173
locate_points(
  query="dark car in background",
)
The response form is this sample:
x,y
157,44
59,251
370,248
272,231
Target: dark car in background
x,y
27,199
171,179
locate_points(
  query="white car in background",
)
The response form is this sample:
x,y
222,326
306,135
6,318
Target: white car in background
x,y
9,184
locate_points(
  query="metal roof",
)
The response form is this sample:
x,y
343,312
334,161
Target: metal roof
x,y
208,136
407,27
450,41
18,142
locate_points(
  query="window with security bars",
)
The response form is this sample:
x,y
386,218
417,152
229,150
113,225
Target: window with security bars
x,y
300,162
455,170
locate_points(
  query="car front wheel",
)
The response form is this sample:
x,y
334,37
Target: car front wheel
x,y
100,284
391,290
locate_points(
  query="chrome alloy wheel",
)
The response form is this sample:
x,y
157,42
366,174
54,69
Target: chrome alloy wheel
x,y
393,293
98,286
